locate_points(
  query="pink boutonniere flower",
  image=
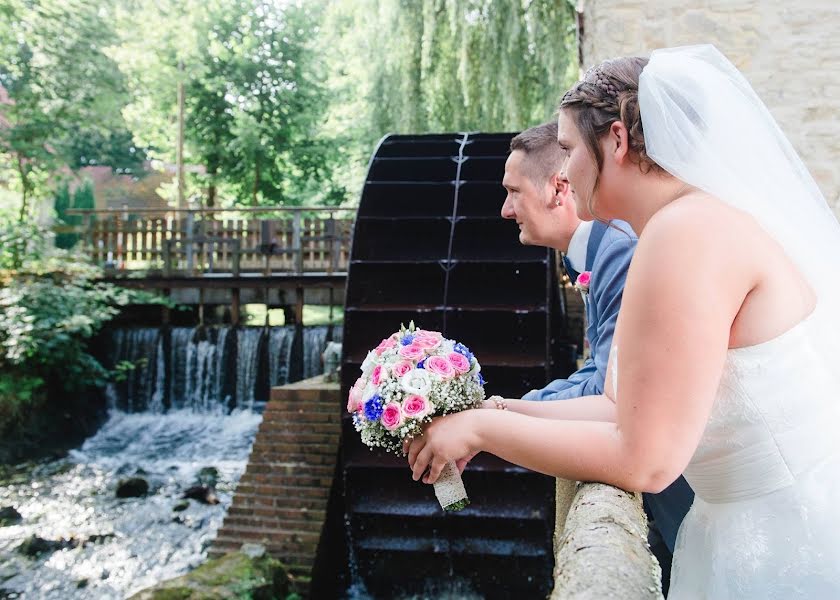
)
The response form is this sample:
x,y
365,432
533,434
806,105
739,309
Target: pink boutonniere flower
x,y
582,282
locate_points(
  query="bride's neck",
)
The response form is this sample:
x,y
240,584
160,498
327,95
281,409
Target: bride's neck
x,y
649,194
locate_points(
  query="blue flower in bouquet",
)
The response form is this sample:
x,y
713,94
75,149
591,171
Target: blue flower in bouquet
x,y
407,339
374,407
480,379
422,364
462,349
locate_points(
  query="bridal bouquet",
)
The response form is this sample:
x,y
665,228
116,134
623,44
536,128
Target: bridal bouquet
x,y
410,377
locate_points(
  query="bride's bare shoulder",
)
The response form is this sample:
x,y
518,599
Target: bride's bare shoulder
x,y
697,217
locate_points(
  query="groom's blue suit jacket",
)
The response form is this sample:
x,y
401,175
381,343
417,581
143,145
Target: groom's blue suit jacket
x,y
608,255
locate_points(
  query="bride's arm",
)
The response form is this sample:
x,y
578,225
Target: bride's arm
x,y
600,407
672,335
585,408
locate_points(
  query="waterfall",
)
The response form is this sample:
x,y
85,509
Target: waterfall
x,y
314,342
138,353
247,363
280,354
180,364
208,369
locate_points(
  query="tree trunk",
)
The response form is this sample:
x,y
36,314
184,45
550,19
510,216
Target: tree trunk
x,y
24,184
211,188
256,180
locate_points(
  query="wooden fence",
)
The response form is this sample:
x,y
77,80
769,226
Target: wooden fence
x,y
218,241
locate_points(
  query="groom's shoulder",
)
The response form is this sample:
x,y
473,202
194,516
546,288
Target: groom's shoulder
x,y
618,238
620,230
613,256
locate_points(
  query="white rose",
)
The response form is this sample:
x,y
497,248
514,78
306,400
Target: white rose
x,y
417,381
368,392
369,362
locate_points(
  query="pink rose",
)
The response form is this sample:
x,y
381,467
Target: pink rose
x,y
384,345
412,352
416,406
378,373
354,397
439,366
401,368
426,342
459,362
435,335
583,280
392,416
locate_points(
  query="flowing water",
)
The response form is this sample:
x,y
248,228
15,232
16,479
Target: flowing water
x,y
193,402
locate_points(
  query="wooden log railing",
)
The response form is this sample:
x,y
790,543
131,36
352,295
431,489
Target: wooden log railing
x,y
600,545
218,241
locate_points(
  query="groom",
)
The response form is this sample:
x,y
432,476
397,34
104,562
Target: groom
x,y
540,200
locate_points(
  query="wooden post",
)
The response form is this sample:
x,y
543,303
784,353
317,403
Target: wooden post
x,y
236,253
297,244
167,257
88,236
188,240
299,305
334,244
122,219
266,244
235,309
201,305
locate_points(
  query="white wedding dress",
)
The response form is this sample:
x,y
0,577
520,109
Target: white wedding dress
x,y
766,518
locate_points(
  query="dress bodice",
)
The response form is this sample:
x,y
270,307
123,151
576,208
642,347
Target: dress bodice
x,y
774,417
764,522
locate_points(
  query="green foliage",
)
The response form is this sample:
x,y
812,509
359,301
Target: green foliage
x,y
18,392
51,304
284,101
425,66
61,85
81,198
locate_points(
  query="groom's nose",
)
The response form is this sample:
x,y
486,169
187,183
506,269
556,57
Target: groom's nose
x,y
507,208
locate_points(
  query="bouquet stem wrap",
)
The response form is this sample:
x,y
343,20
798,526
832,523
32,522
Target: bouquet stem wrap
x,y
449,489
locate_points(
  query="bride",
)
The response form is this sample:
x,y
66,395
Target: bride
x,y
722,364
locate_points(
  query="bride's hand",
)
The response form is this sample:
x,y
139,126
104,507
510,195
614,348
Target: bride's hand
x,y
445,439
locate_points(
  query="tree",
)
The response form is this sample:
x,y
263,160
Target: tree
x,y
60,84
252,85
405,66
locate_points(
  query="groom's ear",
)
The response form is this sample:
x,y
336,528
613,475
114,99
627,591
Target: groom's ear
x,y
618,144
560,188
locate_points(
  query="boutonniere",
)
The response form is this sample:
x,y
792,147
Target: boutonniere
x,y
582,283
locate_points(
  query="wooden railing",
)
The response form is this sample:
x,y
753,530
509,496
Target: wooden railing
x,y
218,241
600,545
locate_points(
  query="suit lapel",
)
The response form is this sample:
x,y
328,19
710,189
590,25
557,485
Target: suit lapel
x,y
573,275
595,237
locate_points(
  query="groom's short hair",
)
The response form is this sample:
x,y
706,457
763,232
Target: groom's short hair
x,y
543,154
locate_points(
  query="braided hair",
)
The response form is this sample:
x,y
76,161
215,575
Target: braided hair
x,y
607,93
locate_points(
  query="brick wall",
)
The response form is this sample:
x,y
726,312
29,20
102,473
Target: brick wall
x,y
789,52
281,500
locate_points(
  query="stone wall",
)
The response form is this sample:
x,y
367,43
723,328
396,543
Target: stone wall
x,y
789,51
281,499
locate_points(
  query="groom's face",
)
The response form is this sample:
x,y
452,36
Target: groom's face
x,y
534,207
